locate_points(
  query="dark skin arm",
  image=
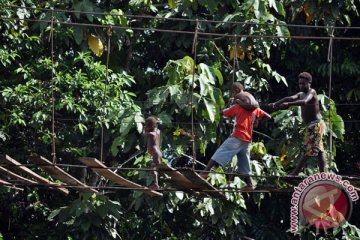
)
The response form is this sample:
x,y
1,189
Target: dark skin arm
x,y
284,100
301,102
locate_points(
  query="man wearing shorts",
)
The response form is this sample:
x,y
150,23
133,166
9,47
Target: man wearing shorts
x,y
315,126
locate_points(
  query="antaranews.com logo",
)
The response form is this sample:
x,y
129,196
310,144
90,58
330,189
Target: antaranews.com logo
x,y
323,201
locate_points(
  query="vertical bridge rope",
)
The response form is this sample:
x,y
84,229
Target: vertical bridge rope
x,y
105,90
53,136
330,60
194,48
235,56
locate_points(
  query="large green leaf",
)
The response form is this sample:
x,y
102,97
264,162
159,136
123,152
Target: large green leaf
x,y
211,109
205,69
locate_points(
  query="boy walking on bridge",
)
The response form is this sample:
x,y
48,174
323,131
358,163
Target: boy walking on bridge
x,y
152,135
310,112
238,143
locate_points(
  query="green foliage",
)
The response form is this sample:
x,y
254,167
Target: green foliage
x,y
334,122
89,216
81,92
328,12
257,150
287,132
185,86
345,231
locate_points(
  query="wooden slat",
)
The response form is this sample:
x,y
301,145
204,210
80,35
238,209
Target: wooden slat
x,y
61,175
9,185
203,184
177,177
102,170
29,173
180,181
14,176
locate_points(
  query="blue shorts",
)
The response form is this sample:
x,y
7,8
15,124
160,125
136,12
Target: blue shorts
x,y
229,148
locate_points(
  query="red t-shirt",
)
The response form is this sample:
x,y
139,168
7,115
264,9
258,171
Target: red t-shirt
x,y
244,121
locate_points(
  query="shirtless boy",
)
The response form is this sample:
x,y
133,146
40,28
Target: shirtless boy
x,y
310,112
152,134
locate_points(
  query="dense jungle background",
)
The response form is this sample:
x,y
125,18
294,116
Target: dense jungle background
x,y
101,67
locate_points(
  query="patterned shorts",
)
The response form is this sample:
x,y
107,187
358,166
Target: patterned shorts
x,y
313,143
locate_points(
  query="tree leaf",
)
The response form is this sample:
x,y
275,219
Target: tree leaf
x,y
53,214
95,45
78,35
174,90
179,195
172,4
211,109
280,8
218,75
206,70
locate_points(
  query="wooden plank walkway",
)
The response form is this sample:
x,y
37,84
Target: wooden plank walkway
x,y
180,180
175,176
29,173
16,177
61,175
104,171
9,185
203,184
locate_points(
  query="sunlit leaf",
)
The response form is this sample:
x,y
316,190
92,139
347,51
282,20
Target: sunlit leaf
x,y
95,45
211,109
172,4
280,8
179,195
237,52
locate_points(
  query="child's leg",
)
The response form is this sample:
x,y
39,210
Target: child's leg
x,y
155,175
299,166
243,163
224,153
156,162
321,161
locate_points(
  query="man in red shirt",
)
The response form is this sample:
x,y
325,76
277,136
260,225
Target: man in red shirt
x,y
239,141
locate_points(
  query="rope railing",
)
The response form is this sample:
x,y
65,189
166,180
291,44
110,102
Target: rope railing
x,y
161,189
261,188
179,19
53,134
194,52
184,32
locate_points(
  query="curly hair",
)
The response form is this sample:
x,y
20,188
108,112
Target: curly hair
x,y
151,120
305,75
238,85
